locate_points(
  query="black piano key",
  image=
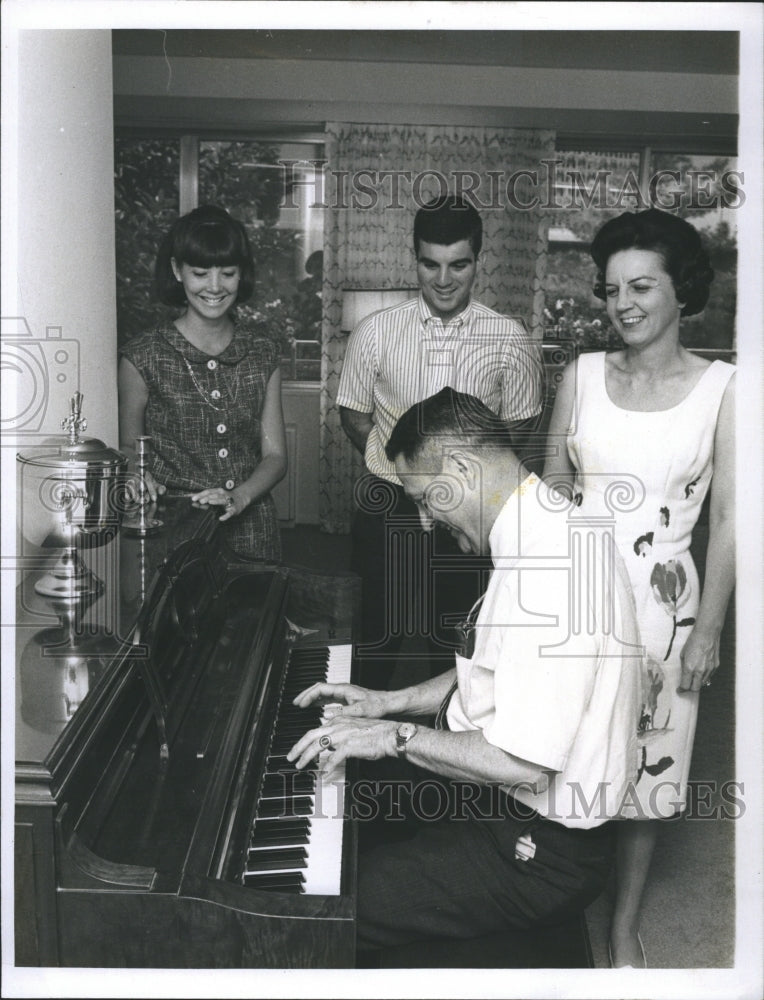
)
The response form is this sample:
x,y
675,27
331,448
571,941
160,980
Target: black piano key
x,y
282,764
307,654
276,761
307,721
266,827
273,858
287,784
279,839
253,866
279,881
281,745
287,797
297,726
298,806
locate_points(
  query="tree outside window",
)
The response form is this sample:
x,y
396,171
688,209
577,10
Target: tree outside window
x,y
591,188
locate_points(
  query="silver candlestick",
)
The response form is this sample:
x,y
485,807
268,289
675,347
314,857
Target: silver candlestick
x,y
143,522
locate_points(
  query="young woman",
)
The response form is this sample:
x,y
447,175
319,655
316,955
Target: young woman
x,y
638,435
206,391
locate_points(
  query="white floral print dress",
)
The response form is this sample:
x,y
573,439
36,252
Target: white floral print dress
x,y
648,473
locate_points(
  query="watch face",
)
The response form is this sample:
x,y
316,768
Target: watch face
x,y
406,730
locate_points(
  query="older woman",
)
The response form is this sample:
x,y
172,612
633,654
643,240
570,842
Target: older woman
x,y
206,390
659,420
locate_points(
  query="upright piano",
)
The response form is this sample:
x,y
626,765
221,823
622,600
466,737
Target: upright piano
x,y
158,823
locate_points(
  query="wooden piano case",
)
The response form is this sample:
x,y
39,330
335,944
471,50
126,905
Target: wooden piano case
x,y
134,815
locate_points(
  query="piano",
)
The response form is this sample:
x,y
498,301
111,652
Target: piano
x,y
157,821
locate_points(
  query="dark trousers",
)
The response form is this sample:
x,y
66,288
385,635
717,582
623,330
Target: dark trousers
x,y
450,872
417,584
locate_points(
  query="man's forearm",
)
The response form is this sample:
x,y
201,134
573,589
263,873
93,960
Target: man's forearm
x,y
467,756
357,426
420,699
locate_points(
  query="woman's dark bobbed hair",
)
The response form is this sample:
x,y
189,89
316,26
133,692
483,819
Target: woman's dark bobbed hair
x,y
677,242
206,237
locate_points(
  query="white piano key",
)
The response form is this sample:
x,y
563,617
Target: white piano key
x,y
324,871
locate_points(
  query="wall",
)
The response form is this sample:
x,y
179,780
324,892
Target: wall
x,y
648,84
64,253
59,296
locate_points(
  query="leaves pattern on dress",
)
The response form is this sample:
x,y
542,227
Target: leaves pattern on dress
x,y
665,517
672,591
663,764
643,544
690,488
653,678
653,681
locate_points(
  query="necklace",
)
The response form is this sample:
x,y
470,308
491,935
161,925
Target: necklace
x,y
233,394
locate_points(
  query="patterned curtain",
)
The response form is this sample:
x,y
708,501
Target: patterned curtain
x,y
378,175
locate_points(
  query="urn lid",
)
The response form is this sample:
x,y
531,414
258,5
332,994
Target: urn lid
x,y
74,450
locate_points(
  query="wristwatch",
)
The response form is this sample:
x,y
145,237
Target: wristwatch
x,y
405,732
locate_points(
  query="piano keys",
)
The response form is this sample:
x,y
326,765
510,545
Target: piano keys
x,y
137,820
296,843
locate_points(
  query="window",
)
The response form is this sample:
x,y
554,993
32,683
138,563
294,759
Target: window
x,y
146,175
269,186
592,186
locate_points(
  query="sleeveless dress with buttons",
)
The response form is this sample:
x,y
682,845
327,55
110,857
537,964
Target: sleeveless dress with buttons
x,y
203,415
648,474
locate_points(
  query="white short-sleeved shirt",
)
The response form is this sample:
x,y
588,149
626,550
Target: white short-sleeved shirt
x,y
554,678
402,355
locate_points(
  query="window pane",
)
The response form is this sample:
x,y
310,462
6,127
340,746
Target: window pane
x,y
146,175
275,203
703,190
589,188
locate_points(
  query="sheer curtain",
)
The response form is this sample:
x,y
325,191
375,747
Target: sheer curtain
x,y
378,175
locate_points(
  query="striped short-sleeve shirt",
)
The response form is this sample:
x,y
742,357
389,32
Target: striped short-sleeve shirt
x,y
402,355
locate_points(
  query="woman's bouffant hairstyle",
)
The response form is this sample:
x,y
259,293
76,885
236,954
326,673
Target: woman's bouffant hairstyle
x,y
206,237
678,243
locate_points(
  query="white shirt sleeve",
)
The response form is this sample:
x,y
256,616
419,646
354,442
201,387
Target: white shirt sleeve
x,y
359,369
522,394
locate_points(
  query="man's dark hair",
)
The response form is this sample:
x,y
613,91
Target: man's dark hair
x,y
675,240
447,414
446,220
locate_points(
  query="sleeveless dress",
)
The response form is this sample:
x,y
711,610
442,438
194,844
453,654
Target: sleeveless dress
x,y
647,473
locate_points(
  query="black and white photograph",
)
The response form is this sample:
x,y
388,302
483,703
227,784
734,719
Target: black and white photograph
x,y
381,507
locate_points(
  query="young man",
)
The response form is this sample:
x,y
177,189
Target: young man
x,y
538,745
396,358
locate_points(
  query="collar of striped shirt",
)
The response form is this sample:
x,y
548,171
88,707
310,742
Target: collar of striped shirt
x,y
427,318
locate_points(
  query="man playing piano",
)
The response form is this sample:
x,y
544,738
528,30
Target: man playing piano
x,y
532,749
